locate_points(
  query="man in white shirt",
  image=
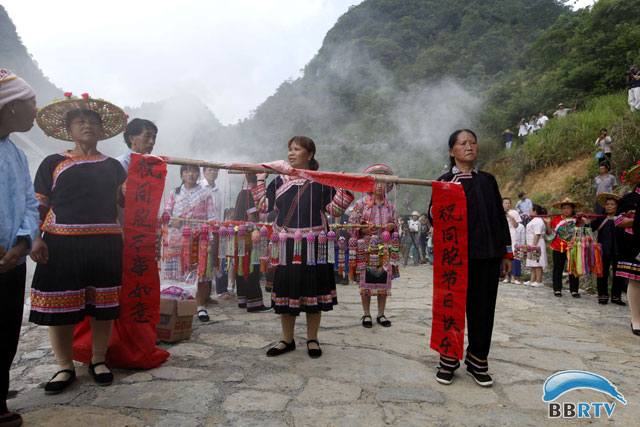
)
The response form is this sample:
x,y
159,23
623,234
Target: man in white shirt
x,y
524,205
562,111
542,119
412,238
140,136
210,176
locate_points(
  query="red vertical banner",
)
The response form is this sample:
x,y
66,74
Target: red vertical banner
x,y
450,268
140,300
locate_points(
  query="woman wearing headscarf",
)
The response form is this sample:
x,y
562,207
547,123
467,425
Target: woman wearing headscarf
x,y
80,254
19,221
378,215
488,240
301,285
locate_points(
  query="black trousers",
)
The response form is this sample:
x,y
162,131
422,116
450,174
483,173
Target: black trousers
x,y
482,292
603,282
559,261
221,283
11,307
249,294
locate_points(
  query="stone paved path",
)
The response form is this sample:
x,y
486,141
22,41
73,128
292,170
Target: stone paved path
x,y
366,377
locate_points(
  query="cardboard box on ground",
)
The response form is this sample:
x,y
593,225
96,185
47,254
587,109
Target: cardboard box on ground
x,y
176,319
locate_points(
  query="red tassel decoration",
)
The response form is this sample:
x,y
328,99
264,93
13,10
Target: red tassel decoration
x,y
165,235
275,257
185,254
202,251
263,249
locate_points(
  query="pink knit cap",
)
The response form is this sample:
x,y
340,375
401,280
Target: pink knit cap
x,y
13,87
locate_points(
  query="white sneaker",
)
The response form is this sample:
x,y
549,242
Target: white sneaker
x,y
536,284
527,283
517,282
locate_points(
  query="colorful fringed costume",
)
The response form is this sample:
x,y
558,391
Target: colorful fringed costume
x,y
301,287
376,278
195,203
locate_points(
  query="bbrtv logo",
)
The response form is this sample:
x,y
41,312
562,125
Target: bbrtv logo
x,y
565,381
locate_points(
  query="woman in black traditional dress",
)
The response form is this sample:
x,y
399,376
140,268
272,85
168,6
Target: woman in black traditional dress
x,y
629,261
80,255
301,206
249,294
488,240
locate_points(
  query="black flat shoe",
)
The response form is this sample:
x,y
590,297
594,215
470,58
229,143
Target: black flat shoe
x,y
385,322
55,387
105,378
275,351
557,293
482,379
10,419
445,378
314,353
635,331
203,316
575,294
618,302
367,323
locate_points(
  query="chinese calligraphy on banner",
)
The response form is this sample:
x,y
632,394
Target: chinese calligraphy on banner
x,y
140,300
450,268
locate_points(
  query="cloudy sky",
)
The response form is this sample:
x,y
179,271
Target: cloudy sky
x,y
233,54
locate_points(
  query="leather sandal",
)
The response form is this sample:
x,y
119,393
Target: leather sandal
x,y
367,323
386,323
105,378
55,387
275,351
314,353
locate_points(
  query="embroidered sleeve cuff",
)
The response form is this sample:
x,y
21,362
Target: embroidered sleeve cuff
x,y
340,203
258,192
619,219
42,199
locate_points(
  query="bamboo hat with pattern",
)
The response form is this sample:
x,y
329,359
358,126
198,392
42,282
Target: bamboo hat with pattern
x,y
567,201
52,118
631,176
602,198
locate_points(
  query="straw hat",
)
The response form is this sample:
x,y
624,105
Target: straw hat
x,y
567,201
632,176
602,198
52,118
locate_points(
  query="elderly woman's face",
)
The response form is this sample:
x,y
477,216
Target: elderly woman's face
x,y
611,206
23,113
85,128
465,148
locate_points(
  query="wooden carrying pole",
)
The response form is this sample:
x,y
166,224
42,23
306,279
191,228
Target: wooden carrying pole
x,y
392,179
